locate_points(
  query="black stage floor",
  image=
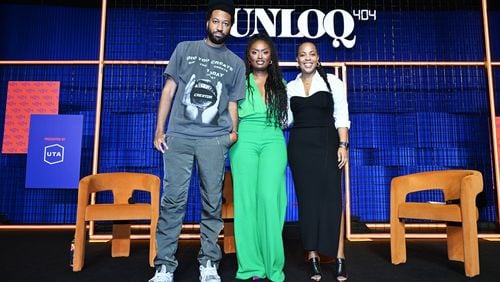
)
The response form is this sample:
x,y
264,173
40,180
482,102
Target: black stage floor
x,y
44,256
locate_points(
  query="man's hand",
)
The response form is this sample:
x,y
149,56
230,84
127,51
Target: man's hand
x,y
160,142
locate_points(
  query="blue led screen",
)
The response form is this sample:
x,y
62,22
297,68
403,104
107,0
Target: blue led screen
x,y
404,118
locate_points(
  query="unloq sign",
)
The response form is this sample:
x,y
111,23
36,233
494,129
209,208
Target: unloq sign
x,y
278,23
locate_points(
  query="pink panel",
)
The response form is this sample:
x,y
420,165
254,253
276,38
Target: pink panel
x,y
23,99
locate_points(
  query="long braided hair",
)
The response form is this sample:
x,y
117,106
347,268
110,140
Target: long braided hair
x,y
322,73
275,88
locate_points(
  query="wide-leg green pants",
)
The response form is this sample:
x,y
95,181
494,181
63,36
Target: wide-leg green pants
x,y
258,163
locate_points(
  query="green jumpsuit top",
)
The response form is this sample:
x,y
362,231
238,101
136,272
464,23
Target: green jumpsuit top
x,y
250,105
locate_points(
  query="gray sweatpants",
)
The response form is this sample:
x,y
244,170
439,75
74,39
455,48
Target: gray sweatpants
x,y
210,155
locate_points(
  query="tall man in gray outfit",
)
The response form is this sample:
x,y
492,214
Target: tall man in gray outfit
x,y
207,80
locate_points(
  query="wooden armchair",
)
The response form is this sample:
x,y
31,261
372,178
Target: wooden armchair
x,y
122,184
460,188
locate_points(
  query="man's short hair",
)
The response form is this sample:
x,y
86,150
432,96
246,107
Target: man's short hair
x,y
224,5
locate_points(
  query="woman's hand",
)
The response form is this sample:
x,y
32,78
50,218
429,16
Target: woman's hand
x,y
343,156
233,136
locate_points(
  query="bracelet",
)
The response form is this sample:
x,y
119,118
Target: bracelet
x,y
344,144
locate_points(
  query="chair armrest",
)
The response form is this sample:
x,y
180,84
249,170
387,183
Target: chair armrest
x,y
403,185
449,181
471,186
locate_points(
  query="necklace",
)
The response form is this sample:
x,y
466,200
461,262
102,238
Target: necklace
x,y
307,86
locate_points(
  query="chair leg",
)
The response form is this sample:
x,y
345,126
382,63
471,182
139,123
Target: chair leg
x,y
79,250
455,243
120,245
229,244
152,245
398,241
471,248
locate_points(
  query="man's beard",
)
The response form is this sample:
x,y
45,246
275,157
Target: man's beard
x,y
215,40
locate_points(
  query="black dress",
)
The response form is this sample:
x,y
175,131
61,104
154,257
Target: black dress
x,y
312,155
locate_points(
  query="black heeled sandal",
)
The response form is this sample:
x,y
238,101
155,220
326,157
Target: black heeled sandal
x,y
340,271
315,268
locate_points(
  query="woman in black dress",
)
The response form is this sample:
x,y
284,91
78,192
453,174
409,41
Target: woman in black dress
x,y
317,152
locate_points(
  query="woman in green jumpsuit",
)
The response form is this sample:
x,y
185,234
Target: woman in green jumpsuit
x,y
258,163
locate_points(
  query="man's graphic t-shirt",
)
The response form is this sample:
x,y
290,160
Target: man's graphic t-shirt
x,y
207,79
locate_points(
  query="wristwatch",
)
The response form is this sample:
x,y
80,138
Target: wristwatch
x,y
344,144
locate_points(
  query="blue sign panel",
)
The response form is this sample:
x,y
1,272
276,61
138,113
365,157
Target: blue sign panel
x,y
54,151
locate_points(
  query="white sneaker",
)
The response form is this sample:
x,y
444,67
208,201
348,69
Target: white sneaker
x,y
162,275
209,273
